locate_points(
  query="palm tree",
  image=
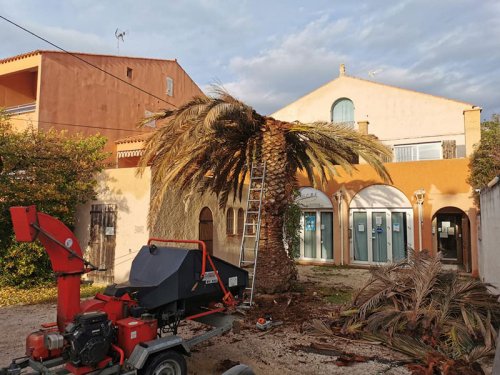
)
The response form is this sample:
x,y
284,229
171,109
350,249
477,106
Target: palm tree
x,y
219,136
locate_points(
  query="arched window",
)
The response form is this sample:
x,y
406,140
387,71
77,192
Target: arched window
x,y
343,111
230,221
241,220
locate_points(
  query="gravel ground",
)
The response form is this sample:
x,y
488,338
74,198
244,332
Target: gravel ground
x,y
273,352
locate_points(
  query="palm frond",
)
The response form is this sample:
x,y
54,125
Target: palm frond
x,y
327,145
414,304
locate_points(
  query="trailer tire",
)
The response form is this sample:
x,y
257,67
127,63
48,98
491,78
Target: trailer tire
x,y
166,363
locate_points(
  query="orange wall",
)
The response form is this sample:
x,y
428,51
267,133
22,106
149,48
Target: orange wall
x,y
443,180
18,88
73,92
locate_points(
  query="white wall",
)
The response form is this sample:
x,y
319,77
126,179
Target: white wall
x,y
489,240
131,194
395,115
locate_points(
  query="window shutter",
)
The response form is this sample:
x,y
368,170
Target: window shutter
x,y
449,149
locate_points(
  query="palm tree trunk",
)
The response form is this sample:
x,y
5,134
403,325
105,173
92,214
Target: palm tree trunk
x,y
276,270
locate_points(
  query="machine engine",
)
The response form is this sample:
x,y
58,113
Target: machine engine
x,y
90,337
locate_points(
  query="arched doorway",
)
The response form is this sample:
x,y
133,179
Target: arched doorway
x,y
451,236
206,229
316,238
380,225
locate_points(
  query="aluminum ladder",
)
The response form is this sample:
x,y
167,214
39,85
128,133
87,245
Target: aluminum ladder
x,y
251,229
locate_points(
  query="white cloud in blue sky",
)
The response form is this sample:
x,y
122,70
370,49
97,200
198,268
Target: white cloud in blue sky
x,y
270,53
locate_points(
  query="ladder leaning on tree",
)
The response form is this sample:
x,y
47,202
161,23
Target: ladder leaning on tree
x,y
251,228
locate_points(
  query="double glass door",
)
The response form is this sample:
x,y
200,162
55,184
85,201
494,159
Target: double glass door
x,y
317,235
380,236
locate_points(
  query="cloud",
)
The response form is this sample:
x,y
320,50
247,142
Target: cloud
x,y
434,48
269,53
276,75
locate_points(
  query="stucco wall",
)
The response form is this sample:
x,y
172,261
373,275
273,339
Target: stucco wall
x,y
489,259
395,115
443,180
131,194
179,218
75,93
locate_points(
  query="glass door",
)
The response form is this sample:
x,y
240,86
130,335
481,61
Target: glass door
x,y
379,237
317,235
309,234
360,240
449,228
399,240
327,235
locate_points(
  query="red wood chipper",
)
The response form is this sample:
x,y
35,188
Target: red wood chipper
x,y
129,328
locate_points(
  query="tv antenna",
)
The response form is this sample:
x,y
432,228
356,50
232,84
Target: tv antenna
x,y
119,35
373,73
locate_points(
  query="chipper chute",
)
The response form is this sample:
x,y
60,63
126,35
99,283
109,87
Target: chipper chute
x,y
132,326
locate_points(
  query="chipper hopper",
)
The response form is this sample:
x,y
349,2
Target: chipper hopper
x,y
132,327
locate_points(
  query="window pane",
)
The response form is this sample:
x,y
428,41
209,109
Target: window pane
x,y
429,151
404,153
310,234
241,220
230,221
419,151
343,111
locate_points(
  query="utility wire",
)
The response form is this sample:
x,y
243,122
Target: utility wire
x,y
87,62
79,125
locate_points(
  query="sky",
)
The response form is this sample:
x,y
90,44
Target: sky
x,y
270,53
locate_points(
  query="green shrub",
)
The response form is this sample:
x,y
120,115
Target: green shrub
x,y
24,265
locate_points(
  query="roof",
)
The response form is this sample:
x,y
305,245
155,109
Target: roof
x,y
374,83
38,51
19,57
135,138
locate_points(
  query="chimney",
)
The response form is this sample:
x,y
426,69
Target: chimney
x,y
363,127
342,70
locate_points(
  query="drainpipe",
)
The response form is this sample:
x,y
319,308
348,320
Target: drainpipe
x,y
339,198
419,196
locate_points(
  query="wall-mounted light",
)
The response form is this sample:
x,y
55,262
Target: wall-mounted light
x,y
419,196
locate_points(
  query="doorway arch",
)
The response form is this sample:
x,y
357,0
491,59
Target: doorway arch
x,y
206,229
380,225
451,237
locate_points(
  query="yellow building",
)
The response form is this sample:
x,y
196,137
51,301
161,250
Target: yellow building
x,y
357,219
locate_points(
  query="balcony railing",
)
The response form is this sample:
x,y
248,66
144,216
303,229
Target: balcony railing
x,y
20,109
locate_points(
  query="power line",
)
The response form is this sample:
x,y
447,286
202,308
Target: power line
x,y
87,62
80,125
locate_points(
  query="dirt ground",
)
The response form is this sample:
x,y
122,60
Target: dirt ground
x,y
285,349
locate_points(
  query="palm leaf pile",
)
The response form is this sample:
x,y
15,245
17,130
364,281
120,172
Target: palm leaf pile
x,y
415,307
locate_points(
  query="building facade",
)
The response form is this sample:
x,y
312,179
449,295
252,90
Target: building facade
x,y
358,219
57,90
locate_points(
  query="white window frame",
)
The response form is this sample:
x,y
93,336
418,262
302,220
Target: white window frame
x,y
170,86
388,215
415,156
318,258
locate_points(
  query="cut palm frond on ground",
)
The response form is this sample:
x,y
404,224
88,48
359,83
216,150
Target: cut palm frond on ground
x,y
415,307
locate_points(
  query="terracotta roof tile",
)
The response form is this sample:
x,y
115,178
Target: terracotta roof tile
x,y
38,51
135,138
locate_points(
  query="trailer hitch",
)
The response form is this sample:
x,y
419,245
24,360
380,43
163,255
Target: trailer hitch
x,y
16,366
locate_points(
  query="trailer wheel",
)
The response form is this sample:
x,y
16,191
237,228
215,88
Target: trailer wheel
x,y
167,363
